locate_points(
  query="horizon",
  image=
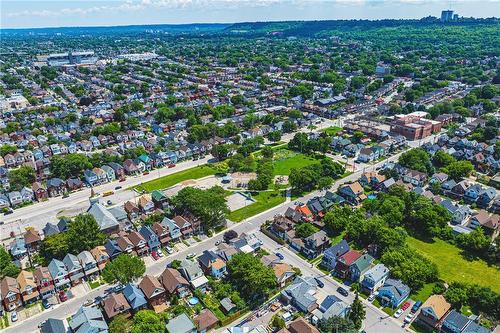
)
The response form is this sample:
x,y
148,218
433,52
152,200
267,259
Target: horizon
x,y
32,14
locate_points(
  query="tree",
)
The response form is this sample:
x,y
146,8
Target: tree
x,y
54,246
416,159
274,136
84,234
70,165
120,324
337,325
304,179
442,159
476,241
357,313
124,269
456,295
459,169
220,152
230,234
278,322
7,149
305,229
21,177
7,267
267,152
324,183
147,321
208,205
253,280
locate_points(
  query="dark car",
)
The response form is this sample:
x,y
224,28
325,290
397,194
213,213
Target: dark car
x,y
118,288
118,188
279,255
46,304
342,291
416,306
319,282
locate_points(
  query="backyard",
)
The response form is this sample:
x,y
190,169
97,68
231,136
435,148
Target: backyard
x,y
332,130
453,266
263,202
284,160
175,178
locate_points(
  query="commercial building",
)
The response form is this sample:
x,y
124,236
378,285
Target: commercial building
x,y
414,126
71,58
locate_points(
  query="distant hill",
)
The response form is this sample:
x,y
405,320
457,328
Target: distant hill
x,y
170,28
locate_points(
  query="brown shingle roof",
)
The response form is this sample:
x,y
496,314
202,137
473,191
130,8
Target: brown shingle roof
x,y
205,320
115,304
149,284
171,278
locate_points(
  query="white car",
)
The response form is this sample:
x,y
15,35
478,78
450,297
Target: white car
x,y
191,255
160,253
398,313
13,316
372,297
170,250
408,318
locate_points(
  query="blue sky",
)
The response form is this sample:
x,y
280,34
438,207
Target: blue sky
x,y
58,13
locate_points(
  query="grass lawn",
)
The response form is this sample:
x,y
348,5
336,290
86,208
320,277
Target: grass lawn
x,y
175,178
332,130
95,284
263,202
424,293
453,266
285,160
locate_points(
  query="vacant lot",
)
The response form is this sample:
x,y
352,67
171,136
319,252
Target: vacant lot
x,y
453,266
175,178
263,202
285,160
331,130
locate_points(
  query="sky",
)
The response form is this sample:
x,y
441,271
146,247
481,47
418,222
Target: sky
x,y
62,13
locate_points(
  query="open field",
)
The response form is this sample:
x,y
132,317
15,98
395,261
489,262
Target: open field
x,y
453,266
263,202
175,178
284,160
331,130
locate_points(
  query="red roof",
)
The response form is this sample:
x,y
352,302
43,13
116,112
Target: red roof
x,y
304,210
349,257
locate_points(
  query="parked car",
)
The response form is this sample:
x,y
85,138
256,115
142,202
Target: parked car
x,y
191,255
155,255
10,211
62,296
145,173
342,291
160,253
171,165
46,304
372,296
398,313
88,302
118,188
279,255
218,242
319,282
109,202
13,316
416,306
170,250
408,318
118,288
405,305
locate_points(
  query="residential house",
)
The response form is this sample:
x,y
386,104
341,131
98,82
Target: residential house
x,y
135,297
27,287
88,320
59,274
52,325
472,193
180,324
416,178
132,210
150,237
75,269
74,184
153,290
50,229
118,169
331,254
139,243
115,304
112,248
17,247
32,240
174,283
212,264
184,226
192,272
458,191
162,232
359,267
300,325
374,278
130,167
10,293
393,293
110,173
44,282
281,225
489,223
331,306
344,262
486,197
89,264
91,178
101,256
301,294
56,187
353,193
39,191
125,245
458,213
432,312
372,179
205,321
15,198
454,322
160,200
145,204
175,231
315,244
107,222
283,272
227,306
